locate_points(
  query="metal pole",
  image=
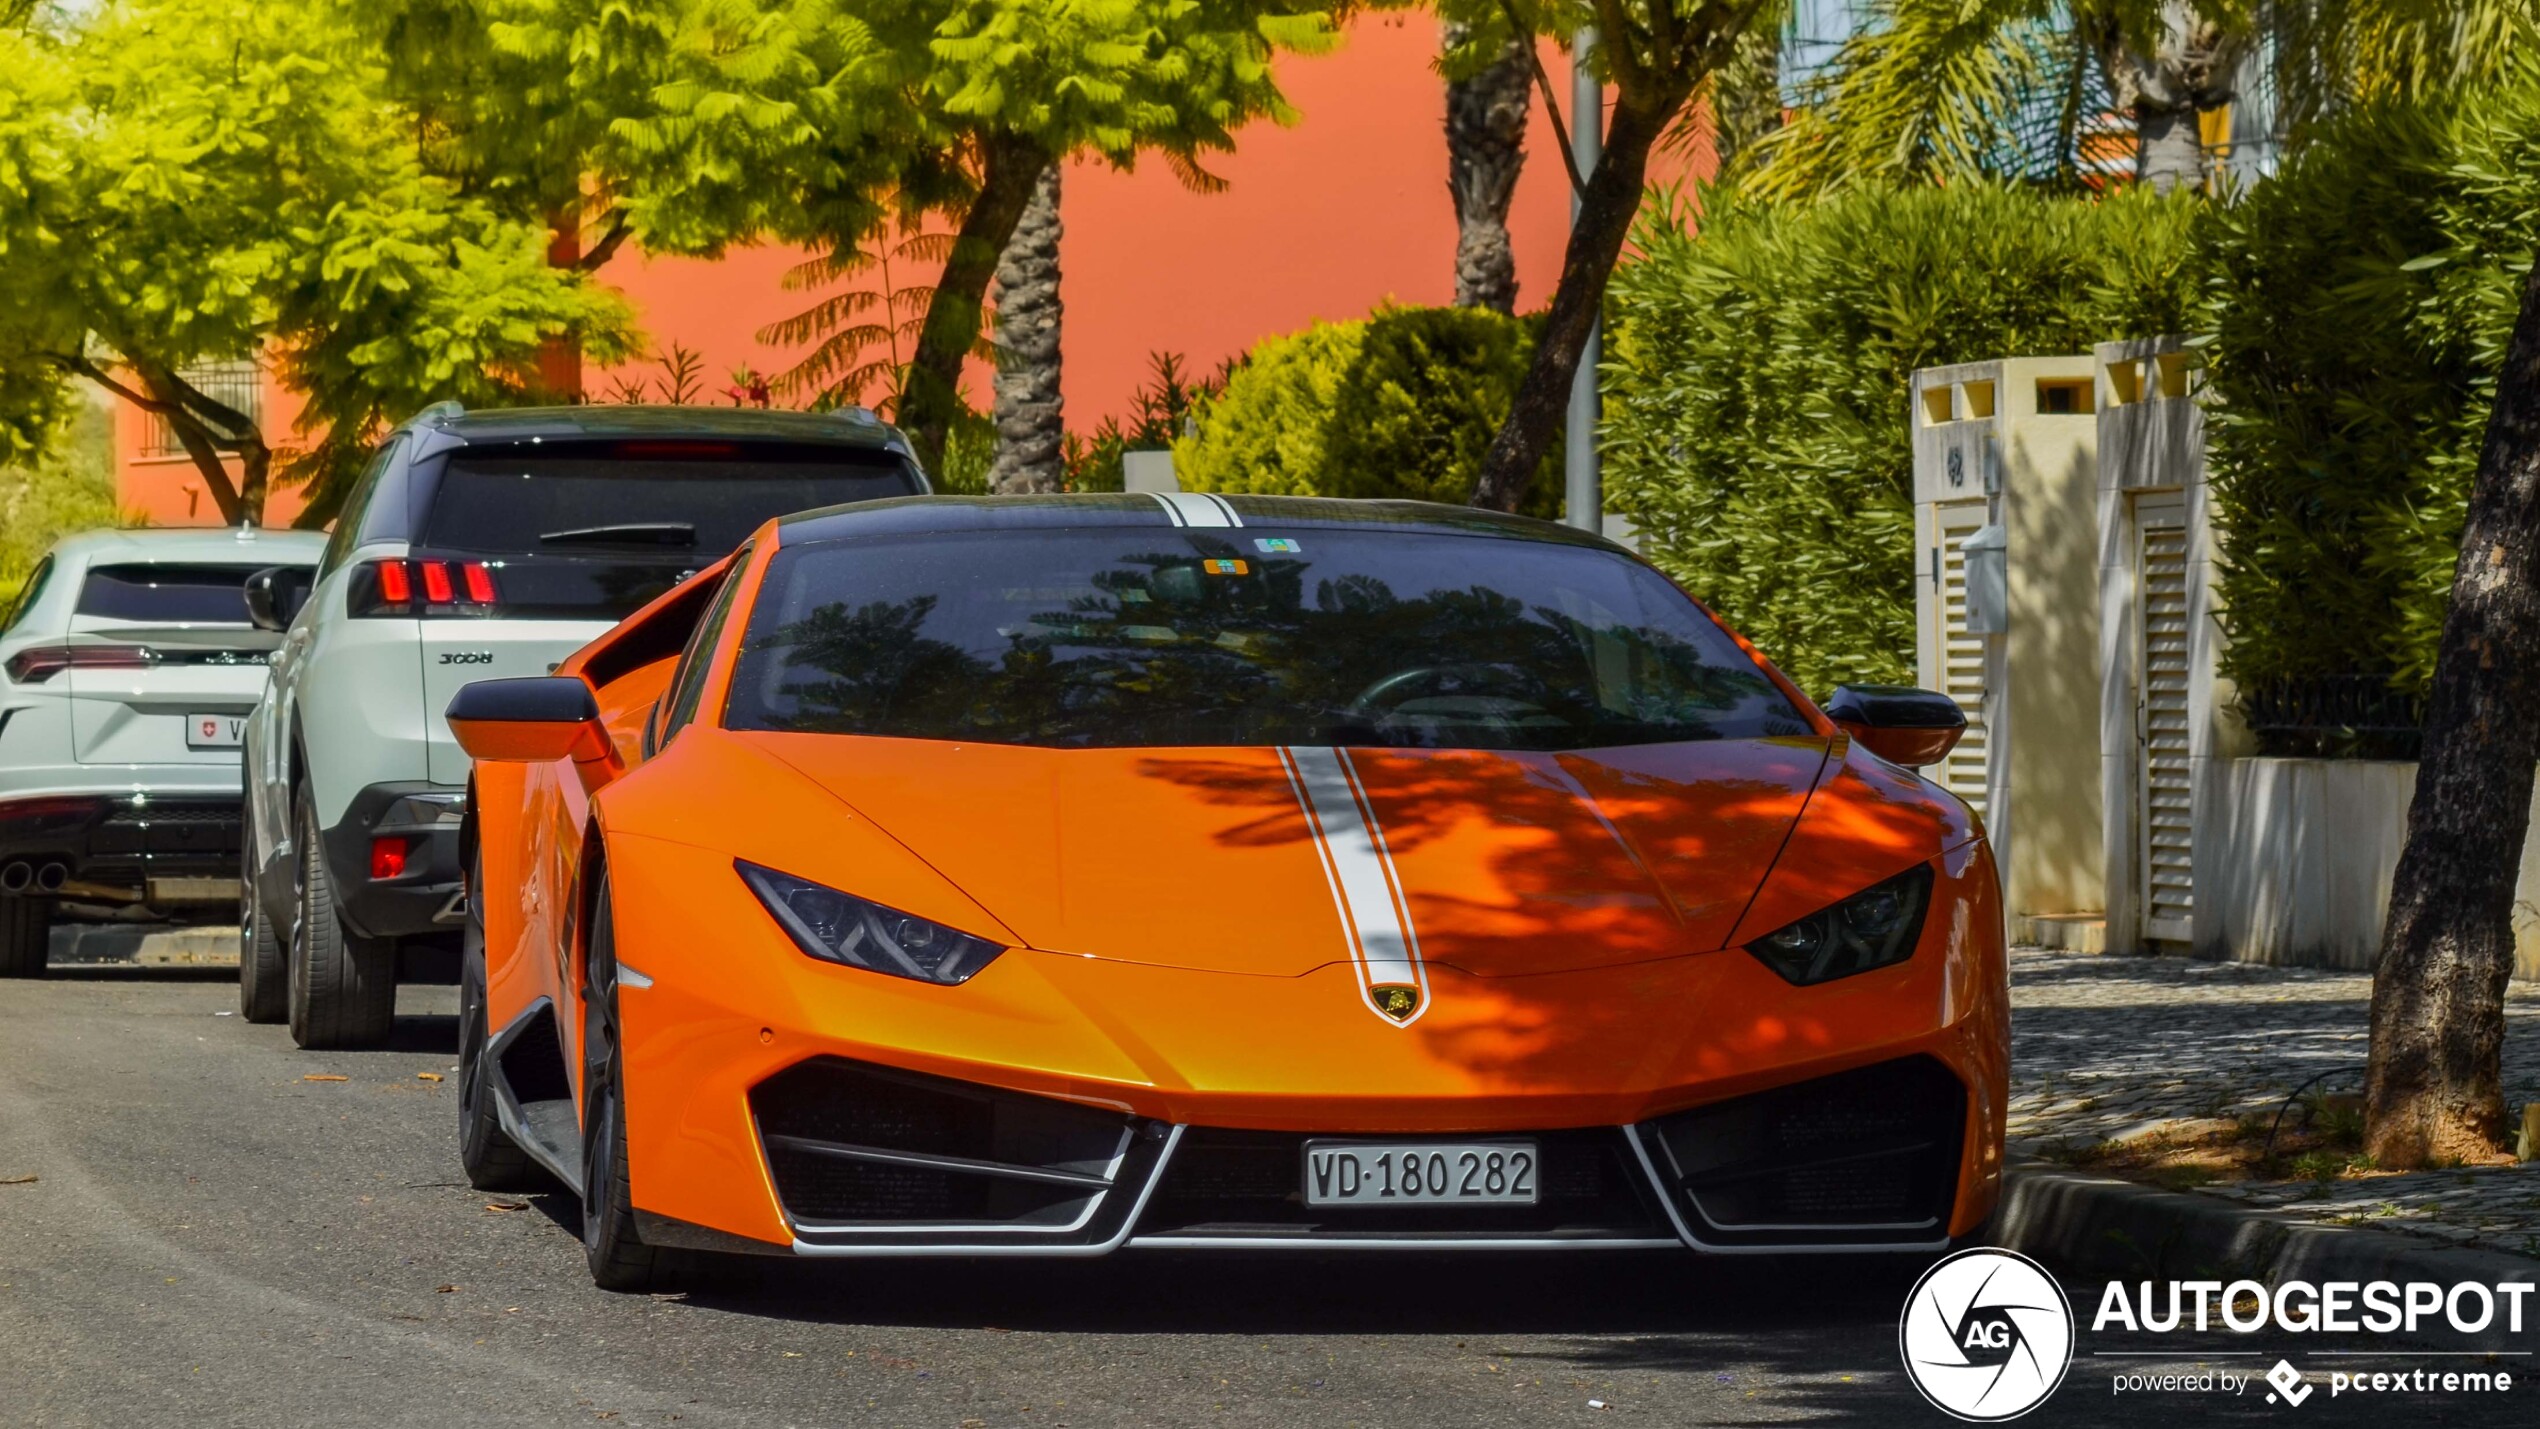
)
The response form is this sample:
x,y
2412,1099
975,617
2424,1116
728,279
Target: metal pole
x,y
1583,484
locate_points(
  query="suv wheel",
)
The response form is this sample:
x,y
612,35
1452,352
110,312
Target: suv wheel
x,y
263,995
26,935
343,988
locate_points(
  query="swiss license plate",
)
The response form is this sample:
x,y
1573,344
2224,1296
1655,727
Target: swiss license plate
x,y
1424,1173
215,731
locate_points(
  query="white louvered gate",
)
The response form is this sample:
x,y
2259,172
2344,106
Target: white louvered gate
x,y
1962,657
2164,810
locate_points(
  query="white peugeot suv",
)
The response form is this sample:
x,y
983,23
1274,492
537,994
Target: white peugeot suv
x,y
475,546
128,665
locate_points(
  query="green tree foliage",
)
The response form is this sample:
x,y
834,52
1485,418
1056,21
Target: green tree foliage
x,y
1755,385
1401,404
1953,90
183,183
849,114
2361,301
68,486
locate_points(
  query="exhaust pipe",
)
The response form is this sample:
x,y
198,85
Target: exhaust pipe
x,y
52,876
16,877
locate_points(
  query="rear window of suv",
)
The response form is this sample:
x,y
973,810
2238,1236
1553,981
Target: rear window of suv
x,y
167,594
695,499
585,530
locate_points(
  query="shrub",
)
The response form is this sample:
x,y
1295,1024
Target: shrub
x,y
2361,300
1400,404
1758,372
1158,411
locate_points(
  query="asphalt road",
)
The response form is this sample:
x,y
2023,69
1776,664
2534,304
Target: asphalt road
x,y
212,1238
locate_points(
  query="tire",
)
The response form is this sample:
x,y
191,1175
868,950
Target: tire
x,y
264,988
343,988
491,1159
618,1256
26,936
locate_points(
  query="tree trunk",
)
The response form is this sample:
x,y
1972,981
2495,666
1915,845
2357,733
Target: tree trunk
x,y
930,397
1605,219
241,503
1031,411
1485,150
2436,1091
2169,148
560,358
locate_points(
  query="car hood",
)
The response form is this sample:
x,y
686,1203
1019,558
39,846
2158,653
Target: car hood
x,y
1277,862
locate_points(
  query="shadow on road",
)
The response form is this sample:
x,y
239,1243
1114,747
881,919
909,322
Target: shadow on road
x,y
1134,1292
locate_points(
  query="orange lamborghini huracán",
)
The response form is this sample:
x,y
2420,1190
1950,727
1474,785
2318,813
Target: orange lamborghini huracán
x,y
1044,876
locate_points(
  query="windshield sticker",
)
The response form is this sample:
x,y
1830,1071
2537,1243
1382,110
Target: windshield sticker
x,y
1276,546
1227,568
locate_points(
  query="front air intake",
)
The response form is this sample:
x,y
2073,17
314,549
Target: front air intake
x,y
859,1147
1858,1158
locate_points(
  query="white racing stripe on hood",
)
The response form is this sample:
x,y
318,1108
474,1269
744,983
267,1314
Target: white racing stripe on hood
x,y
1365,889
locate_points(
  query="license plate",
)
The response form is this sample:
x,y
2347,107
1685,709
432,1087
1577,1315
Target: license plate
x,y
1426,1173
215,731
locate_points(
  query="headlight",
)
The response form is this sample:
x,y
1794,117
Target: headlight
x,y
1871,929
842,928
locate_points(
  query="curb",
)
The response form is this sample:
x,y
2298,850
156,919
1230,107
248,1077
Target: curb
x,y
2121,1230
91,945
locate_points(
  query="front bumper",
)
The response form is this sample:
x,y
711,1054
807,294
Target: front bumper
x,y
122,847
428,897
1671,1082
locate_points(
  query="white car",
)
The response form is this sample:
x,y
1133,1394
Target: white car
x,y
476,545
128,667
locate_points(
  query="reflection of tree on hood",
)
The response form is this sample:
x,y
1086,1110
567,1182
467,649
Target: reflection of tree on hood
x,y
1166,653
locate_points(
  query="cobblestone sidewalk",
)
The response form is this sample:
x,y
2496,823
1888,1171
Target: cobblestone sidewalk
x,y
2113,1047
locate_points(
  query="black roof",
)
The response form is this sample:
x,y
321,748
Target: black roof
x,y
851,426
1205,513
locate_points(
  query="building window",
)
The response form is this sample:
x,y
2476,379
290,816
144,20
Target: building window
x,y
237,385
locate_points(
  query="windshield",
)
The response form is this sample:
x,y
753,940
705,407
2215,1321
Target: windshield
x,y
1085,638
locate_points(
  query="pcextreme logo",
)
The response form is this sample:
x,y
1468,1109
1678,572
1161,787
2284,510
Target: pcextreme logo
x,y
1986,1335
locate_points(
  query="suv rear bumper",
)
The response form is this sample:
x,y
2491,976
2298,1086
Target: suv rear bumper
x,y
121,848
427,897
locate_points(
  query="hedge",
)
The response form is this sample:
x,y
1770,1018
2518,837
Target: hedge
x,y
2359,305
1402,403
1758,372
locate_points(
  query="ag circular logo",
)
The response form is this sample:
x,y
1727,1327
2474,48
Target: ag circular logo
x,y
1986,1335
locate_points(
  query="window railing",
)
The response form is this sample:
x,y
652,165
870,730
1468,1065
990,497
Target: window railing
x,y
237,385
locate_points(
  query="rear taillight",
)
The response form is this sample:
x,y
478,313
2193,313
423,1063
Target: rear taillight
x,y
422,588
388,857
38,663
17,814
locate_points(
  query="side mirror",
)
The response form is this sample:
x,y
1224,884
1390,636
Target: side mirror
x,y
275,595
533,721
1898,723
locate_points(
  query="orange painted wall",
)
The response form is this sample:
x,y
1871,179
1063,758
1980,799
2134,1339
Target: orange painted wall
x,y
1325,219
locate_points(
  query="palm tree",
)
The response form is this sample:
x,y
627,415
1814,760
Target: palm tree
x,y
863,335
1486,103
1949,90
1031,453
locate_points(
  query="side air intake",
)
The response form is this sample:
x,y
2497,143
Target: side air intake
x,y
1858,1158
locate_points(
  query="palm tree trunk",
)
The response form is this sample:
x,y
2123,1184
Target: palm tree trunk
x,y
2169,147
1485,151
930,397
2435,1092
1030,409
